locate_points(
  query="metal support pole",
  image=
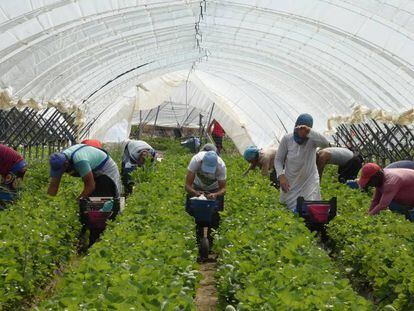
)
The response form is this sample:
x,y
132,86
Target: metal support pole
x,y
155,122
139,125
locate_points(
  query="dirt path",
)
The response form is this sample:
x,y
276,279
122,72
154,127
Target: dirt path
x,y
206,295
49,289
56,281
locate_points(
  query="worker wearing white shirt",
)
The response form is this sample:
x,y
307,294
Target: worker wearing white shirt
x,y
295,163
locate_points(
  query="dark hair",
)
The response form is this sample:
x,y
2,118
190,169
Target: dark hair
x,y
376,180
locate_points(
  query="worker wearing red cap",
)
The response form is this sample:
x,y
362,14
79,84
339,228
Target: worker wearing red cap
x,y
92,142
392,186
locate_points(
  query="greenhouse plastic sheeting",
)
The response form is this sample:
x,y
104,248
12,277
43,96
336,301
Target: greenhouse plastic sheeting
x,y
362,114
174,113
262,62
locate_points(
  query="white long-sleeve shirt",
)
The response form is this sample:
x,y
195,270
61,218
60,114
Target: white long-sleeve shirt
x,y
298,164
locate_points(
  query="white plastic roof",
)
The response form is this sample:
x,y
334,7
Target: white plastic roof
x,y
260,61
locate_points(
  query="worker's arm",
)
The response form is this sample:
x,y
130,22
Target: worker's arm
x,y
221,191
281,156
280,162
252,166
54,186
189,180
318,139
375,199
88,185
386,198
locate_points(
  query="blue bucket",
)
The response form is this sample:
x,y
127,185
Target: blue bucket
x,y
352,184
202,210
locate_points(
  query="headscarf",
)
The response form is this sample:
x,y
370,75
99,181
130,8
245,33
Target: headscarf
x,y
133,152
303,119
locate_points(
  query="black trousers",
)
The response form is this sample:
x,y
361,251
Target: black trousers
x,y
104,187
127,180
350,170
215,223
218,140
273,179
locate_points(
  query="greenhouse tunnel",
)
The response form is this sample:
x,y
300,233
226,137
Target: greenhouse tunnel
x,y
160,155
260,62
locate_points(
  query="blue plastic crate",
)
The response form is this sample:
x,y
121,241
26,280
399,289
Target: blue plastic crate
x,y
202,210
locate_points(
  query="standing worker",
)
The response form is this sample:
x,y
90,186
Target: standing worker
x,y
262,158
394,187
206,175
135,154
349,164
296,163
217,132
12,167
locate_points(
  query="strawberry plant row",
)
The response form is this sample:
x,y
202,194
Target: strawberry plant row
x,y
268,258
146,259
37,235
375,251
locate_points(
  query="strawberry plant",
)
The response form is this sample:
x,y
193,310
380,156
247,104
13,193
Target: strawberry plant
x,y
375,251
147,257
268,259
37,236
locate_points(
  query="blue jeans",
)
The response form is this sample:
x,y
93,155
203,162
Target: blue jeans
x,y
402,209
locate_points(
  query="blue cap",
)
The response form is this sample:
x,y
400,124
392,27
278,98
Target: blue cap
x,y
18,167
250,153
209,162
57,161
304,119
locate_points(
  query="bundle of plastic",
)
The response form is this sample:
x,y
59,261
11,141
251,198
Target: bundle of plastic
x,y
201,197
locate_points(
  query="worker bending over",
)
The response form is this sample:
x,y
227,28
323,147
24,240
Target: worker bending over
x,y
263,159
402,164
12,167
206,174
135,154
98,171
394,185
349,164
